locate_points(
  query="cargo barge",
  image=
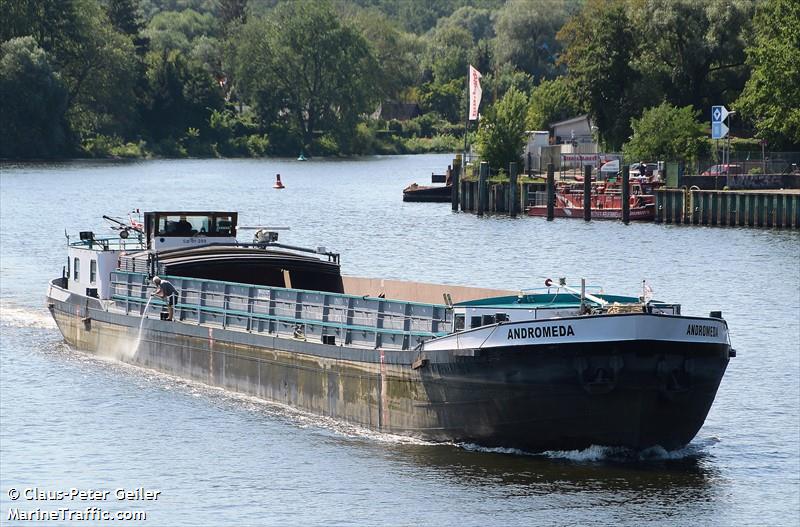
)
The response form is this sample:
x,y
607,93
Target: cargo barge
x,y
557,368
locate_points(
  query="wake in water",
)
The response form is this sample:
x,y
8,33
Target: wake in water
x,y
25,317
599,453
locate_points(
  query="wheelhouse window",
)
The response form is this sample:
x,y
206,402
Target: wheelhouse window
x,y
458,324
195,225
68,267
76,268
93,271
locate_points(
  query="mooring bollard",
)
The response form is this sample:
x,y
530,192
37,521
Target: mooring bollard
x,y
551,191
626,194
587,193
513,199
483,178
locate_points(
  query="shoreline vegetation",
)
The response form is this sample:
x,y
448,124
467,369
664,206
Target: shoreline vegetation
x,y
139,79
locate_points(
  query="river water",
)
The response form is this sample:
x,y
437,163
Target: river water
x,y
68,420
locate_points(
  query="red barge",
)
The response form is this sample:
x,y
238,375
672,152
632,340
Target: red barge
x,y
606,203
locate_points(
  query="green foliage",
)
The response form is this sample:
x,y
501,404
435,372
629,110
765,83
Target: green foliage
x,y
697,54
301,65
497,82
552,101
438,144
666,132
449,53
124,15
182,95
771,98
526,35
501,132
33,102
600,45
101,76
397,54
103,146
95,62
444,99
102,80
419,17
171,30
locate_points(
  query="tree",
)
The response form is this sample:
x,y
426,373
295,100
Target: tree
x,y
101,81
501,131
666,132
170,30
33,101
397,53
182,95
694,51
600,45
449,53
526,35
96,62
301,67
771,98
497,82
124,16
444,99
553,101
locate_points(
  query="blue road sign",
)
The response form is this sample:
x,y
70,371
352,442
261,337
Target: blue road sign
x,y
718,130
718,114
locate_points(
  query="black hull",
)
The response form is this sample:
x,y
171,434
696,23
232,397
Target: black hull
x,y
635,394
428,194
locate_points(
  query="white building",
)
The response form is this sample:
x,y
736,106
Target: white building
x,y
575,133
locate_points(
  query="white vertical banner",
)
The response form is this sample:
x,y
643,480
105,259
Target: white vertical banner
x,y
474,92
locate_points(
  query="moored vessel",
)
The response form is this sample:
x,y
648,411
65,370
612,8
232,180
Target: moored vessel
x,y
557,368
605,203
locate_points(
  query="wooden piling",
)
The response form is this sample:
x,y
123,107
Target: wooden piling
x,y
551,191
483,178
513,199
456,177
770,211
715,204
587,193
626,194
796,209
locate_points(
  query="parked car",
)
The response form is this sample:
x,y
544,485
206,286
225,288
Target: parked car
x,y
722,170
644,169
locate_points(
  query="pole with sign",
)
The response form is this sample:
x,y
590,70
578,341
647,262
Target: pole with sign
x,y
719,129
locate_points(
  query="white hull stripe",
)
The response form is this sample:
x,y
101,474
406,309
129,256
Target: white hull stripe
x,y
602,328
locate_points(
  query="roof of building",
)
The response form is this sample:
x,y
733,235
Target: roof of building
x,y
584,117
402,111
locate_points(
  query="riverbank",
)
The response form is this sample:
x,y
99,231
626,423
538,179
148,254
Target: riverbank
x,y
256,146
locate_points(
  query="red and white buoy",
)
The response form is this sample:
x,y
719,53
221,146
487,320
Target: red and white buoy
x,y
278,184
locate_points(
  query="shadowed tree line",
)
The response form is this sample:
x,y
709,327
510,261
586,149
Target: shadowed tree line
x,y
226,78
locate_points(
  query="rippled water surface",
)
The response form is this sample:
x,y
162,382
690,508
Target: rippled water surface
x,y
70,420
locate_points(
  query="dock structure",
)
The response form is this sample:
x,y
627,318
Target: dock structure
x,y
778,208
731,208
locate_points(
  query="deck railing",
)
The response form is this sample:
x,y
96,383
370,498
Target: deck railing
x,y
331,318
